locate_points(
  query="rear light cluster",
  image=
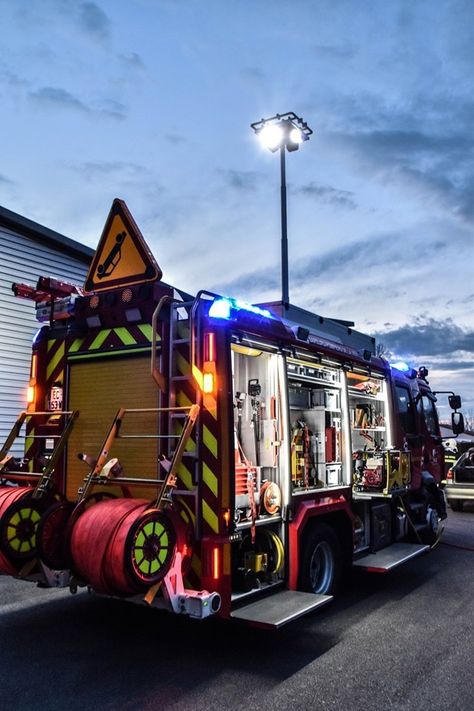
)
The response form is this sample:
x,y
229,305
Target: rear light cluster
x,y
450,475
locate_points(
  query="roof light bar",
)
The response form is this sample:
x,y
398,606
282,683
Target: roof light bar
x,y
227,308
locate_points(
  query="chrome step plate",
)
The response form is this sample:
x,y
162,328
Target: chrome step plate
x,y
278,609
389,558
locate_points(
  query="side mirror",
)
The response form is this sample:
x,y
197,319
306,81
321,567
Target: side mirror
x,y
455,402
457,422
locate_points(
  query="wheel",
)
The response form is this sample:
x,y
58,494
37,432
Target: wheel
x,y
321,563
456,504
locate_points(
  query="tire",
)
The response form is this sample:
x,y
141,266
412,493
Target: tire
x,y
321,561
456,504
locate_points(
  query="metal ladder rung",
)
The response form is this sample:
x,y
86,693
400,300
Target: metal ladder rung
x,y
148,437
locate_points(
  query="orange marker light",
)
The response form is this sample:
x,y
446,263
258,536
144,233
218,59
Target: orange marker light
x,y
215,563
34,365
208,383
30,394
210,347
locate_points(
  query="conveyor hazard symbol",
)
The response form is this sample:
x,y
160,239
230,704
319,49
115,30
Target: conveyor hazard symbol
x,y
122,256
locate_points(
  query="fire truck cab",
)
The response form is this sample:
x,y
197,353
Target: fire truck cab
x,y
210,456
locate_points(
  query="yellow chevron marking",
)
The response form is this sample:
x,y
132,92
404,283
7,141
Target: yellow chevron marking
x,y
76,345
147,331
185,476
125,336
183,400
209,478
54,361
188,510
182,363
99,339
210,517
209,440
51,344
210,403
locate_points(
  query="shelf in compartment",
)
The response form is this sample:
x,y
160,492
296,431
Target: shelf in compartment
x,y
368,429
318,490
353,394
310,409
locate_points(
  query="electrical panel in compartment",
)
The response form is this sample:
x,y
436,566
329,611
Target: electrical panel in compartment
x,y
314,395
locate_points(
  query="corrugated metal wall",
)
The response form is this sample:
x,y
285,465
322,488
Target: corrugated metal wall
x,y
23,260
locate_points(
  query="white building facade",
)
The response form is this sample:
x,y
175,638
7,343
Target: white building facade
x,y
27,251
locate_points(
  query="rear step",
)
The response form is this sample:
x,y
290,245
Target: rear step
x,y
388,558
276,610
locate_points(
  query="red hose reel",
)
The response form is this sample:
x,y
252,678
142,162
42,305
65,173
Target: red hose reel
x,y
124,546
19,517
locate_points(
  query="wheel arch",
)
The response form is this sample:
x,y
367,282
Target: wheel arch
x,y
339,519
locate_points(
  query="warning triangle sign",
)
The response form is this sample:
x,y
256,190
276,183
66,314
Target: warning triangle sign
x,y
122,256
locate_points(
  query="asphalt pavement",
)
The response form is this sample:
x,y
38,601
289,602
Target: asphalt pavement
x,y
399,641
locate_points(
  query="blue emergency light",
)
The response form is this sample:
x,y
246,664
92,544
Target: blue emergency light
x,y
226,308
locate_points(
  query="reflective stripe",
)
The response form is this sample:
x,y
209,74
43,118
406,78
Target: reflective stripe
x,y
182,364
125,336
209,478
209,440
185,476
99,339
76,345
210,517
55,360
147,331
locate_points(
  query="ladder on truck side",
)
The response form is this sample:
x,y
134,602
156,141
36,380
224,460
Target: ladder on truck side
x,y
173,375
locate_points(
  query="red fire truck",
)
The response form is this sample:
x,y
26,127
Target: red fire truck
x,y
209,456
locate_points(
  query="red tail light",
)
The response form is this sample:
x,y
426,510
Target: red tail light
x,y
450,475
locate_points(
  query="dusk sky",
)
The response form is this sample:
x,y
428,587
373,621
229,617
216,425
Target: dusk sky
x,y
151,101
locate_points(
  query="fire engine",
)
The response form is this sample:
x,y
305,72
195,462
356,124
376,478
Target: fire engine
x,y
209,456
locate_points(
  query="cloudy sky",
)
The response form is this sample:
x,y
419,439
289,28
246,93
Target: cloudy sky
x,y
152,100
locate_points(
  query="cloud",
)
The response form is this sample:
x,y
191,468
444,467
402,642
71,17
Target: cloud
x,y
113,109
132,60
57,98
361,257
434,163
6,181
327,194
240,179
428,336
93,20
334,52
119,169
175,139
51,96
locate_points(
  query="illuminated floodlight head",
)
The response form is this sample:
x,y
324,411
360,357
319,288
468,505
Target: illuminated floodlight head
x,y
282,131
226,308
296,135
271,136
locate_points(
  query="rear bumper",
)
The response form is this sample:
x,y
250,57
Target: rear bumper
x,y
460,491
